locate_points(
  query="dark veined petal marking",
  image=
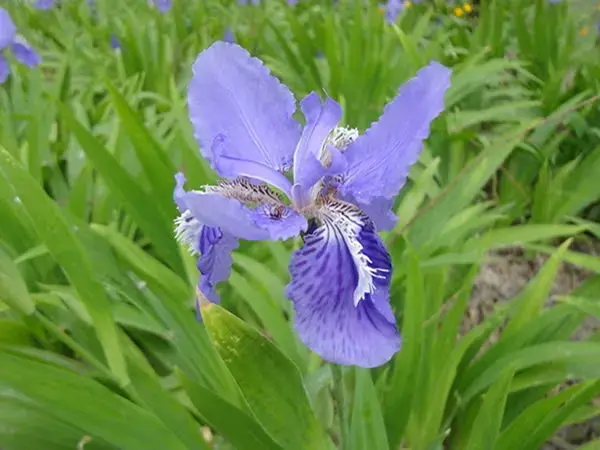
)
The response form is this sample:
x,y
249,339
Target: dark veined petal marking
x,y
215,259
340,290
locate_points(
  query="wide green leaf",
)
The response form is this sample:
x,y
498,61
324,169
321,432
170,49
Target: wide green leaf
x,y
269,381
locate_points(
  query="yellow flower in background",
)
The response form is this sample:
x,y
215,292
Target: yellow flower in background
x,y
407,4
467,7
459,12
584,31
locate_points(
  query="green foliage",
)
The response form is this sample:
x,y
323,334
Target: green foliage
x,y
99,344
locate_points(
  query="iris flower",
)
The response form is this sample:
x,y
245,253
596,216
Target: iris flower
x,y
228,35
394,7
17,45
162,5
391,9
321,181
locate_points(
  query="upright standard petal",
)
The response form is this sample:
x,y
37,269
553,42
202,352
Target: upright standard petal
x,y
379,161
309,158
25,54
4,69
239,110
340,290
8,30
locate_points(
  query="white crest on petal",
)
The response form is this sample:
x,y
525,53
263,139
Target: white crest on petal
x,y
187,231
350,220
340,138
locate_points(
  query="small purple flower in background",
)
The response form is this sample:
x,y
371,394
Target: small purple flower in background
x,y
341,194
114,42
394,7
391,9
17,45
44,4
162,5
228,36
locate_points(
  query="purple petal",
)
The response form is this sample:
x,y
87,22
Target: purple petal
x,y
4,69
221,207
163,5
321,119
379,211
228,214
239,110
214,263
7,29
44,4
392,9
379,161
228,36
328,272
25,54
114,42
281,221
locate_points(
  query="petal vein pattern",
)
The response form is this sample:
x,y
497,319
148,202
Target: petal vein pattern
x,y
340,290
346,220
234,99
379,161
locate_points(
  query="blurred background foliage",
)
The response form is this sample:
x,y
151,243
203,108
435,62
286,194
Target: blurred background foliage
x,y
99,344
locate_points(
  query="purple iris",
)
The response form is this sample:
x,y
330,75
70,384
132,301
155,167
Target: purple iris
x,y
19,47
44,4
392,8
162,5
114,42
228,36
341,194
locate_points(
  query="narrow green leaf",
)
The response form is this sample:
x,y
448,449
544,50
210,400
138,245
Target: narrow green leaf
x,y
68,251
237,426
486,427
137,202
398,401
164,406
533,297
13,290
159,170
367,426
87,404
